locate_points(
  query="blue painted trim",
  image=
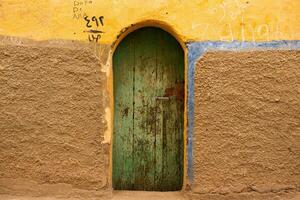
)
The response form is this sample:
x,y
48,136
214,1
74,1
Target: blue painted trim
x,y
196,50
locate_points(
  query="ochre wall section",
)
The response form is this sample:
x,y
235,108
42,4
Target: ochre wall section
x,y
199,20
246,133
52,117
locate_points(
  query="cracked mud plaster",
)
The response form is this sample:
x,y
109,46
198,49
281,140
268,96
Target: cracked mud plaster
x,y
54,100
105,57
247,122
107,133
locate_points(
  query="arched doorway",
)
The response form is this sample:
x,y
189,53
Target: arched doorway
x,y
148,83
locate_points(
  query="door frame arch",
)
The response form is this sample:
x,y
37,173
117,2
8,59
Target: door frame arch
x,y
109,114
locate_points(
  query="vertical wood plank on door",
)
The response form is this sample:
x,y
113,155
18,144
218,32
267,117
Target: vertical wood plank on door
x,y
124,118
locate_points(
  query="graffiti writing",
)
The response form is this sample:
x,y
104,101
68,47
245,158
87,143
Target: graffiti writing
x,y
97,21
94,37
94,23
78,8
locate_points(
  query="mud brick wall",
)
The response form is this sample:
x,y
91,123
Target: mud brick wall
x,y
247,122
52,119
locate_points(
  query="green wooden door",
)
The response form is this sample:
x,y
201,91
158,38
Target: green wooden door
x,y
148,73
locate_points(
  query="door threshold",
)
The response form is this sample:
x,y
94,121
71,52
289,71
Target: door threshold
x,y
147,195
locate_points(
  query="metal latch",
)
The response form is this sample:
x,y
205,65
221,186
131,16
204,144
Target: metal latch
x,y
162,98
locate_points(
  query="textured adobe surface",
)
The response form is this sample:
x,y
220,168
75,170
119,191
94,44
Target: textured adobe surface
x,y
52,101
247,122
52,116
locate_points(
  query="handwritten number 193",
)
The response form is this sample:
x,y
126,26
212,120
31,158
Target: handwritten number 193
x,y
98,21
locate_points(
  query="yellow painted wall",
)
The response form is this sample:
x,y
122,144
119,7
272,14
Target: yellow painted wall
x,y
251,20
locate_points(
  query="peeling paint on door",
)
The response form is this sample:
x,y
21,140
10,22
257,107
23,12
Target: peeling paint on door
x,y
148,112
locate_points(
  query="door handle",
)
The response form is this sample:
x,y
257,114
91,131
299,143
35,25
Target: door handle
x,y
162,98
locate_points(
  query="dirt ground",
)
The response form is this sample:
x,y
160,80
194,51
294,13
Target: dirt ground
x,y
126,195
131,195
